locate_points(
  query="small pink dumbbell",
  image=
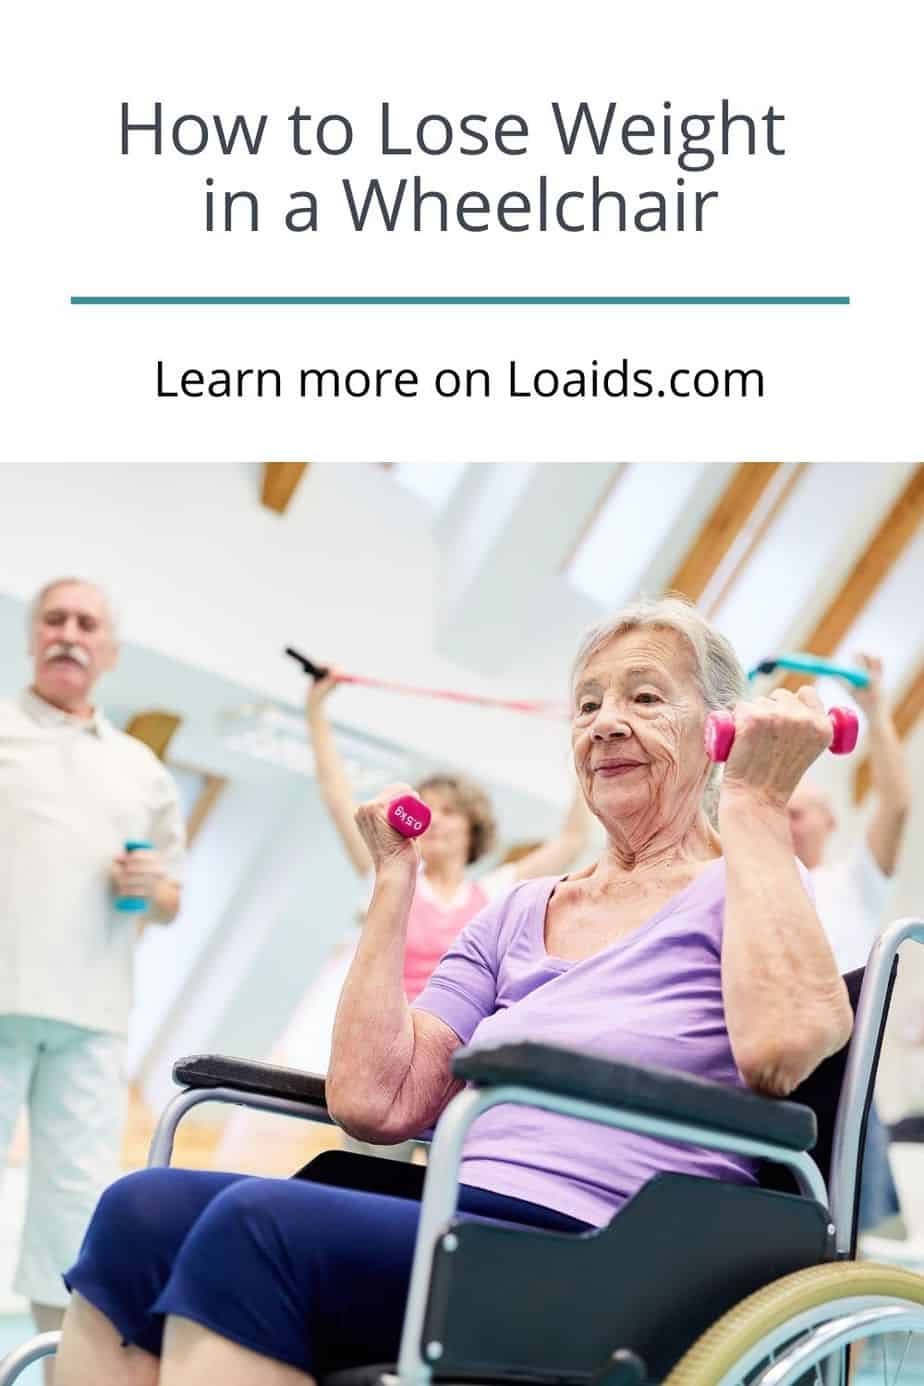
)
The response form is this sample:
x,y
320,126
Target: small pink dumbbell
x,y
719,733
409,816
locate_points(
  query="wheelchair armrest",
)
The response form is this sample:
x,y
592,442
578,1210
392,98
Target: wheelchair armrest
x,y
246,1075
640,1088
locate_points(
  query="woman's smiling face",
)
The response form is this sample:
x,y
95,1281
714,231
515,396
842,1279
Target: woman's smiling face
x,y
637,731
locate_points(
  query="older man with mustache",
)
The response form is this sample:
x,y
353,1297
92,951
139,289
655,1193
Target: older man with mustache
x,y
73,790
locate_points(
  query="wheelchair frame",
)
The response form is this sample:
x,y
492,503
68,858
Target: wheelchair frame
x,y
416,1363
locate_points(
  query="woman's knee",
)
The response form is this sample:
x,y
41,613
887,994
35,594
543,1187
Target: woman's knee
x,y
287,1232
133,1207
145,1217
139,1226
259,1213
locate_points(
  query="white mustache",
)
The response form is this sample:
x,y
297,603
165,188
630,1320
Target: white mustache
x,y
62,650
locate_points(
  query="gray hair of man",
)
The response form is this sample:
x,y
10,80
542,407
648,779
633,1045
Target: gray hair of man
x,y
38,602
719,674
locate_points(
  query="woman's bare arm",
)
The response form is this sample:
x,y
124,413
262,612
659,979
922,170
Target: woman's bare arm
x,y
786,1006
332,778
891,780
389,1074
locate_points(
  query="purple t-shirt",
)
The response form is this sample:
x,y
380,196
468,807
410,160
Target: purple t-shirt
x,y
652,997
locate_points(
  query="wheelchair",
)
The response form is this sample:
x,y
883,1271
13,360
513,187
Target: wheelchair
x,y
695,1282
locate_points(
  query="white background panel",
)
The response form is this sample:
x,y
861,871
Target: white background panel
x,y
839,214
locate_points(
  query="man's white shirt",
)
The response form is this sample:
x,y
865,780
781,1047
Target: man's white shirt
x,y
72,791
851,900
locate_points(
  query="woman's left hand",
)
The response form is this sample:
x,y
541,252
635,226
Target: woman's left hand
x,y
776,740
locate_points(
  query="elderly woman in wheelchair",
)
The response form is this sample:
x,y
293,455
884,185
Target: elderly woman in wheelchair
x,y
693,950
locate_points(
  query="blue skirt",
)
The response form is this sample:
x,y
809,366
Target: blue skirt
x,y
308,1274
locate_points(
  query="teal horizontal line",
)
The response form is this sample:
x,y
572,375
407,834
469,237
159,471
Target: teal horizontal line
x,y
452,300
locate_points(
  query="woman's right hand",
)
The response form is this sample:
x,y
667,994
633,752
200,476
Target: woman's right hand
x,y
320,689
386,847
776,740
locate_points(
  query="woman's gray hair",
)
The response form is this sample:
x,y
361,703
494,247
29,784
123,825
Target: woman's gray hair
x,y
719,675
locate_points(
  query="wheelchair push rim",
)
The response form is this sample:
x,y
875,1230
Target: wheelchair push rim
x,y
796,1330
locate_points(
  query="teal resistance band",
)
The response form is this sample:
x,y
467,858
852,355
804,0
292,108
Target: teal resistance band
x,y
810,664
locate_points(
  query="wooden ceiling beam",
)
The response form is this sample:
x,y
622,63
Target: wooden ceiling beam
x,y
156,729
874,564
751,537
729,516
280,480
905,714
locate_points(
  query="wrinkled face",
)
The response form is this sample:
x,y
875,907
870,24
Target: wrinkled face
x,y
637,733
72,643
810,823
449,834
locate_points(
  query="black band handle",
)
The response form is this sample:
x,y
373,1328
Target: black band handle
x,y
316,671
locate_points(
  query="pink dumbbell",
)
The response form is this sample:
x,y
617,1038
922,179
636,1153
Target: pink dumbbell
x,y
719,733
409,815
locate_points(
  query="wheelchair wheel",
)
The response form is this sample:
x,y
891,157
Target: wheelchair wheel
x,y
795,1331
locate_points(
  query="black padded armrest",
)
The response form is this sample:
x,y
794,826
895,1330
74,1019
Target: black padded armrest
x,y
642,1088
246,1075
